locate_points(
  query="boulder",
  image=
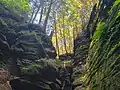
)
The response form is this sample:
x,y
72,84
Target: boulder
x,y
65,57
21,84
40,75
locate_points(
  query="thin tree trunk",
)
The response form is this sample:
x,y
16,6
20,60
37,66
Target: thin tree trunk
x,y
62,48
69,37
32,16
57,46
47,15
73,33
76,30
41,13
64,40
36,13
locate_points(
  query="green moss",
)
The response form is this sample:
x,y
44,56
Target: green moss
x,y
103,66
40,65
100,29
116,2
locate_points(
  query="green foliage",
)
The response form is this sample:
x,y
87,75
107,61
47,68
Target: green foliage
x,y
71,19
116,2
19,6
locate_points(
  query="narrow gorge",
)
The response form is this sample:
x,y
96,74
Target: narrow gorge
x,y
86,57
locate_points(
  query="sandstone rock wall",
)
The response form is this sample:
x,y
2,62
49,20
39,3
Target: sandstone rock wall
x,y
103,49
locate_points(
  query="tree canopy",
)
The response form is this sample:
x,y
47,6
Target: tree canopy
x,y
71,18
19,6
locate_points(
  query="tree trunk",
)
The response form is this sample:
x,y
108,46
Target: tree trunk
x,y
36,13
61,47
64,40
41,13
32,16
73,33
47,15
57,46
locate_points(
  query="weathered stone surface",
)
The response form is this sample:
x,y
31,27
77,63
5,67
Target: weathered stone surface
x,y
25,44
102,57
4,80
21,84
81,48
40,75
65,57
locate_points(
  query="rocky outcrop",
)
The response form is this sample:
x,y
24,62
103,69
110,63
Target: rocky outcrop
x,y
25,44
81,47
26,41
103,59
65,57
21,84
44,75
40,75
30,36
101,52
